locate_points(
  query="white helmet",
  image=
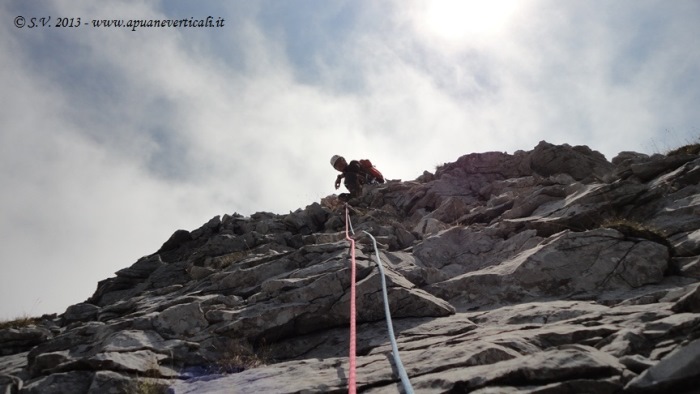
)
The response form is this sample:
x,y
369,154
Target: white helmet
x,y
334,159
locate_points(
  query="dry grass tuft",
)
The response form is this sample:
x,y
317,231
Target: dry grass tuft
x,y
221,262
635,229
691,149
147,386
19,322
239,356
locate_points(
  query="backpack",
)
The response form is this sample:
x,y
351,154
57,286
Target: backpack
x,y
374,175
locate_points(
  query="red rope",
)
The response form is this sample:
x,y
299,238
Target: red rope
x,y
351,375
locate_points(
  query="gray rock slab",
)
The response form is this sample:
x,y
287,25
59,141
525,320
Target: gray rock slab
x,y
680,369
60,383
566,363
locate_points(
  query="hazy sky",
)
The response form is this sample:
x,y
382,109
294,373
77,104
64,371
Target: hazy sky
x,y
111,139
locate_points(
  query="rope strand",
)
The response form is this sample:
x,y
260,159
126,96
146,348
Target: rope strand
x,y
408,389
352,380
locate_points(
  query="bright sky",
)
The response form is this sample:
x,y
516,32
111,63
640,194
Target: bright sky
x,y
112,139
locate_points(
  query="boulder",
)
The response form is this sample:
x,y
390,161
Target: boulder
x,y
81,312
680,370
178,239
429,226
649,169
181,321
18,340
127,283
686,244
60,383
688,266
582,163
450,210
688,303
307,221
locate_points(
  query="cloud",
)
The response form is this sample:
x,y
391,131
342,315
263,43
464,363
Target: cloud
x,y
82,192
112,139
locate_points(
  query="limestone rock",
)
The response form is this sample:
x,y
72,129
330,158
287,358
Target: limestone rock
x,y
181,320
567,363
17,340
179,238
649,169
429,226
678,370
81,312
60,383
689,303
580,162
688,266
565,264
459,250
548,271
10,384
687,244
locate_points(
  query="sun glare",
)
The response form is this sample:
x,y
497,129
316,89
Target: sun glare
x,y
458,20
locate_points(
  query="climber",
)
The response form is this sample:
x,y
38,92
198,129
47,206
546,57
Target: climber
x,y
356,174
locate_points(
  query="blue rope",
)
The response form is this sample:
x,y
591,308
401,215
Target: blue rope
x,y
352,230
408,389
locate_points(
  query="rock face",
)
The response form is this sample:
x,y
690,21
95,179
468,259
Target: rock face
x,y
548,271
